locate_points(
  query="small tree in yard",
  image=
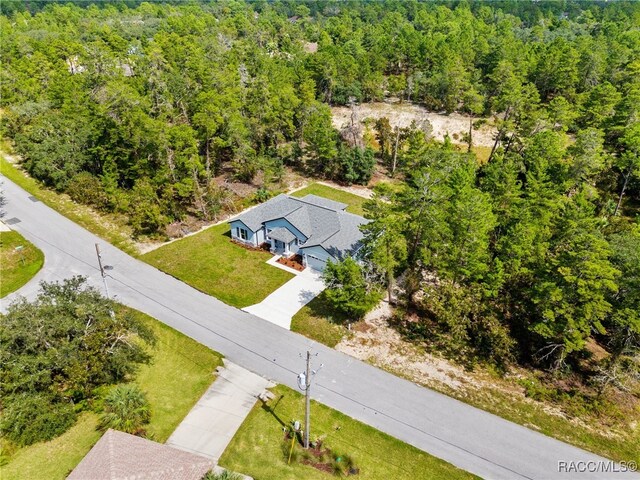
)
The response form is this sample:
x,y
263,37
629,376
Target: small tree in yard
x,y
385,245
126,408
348,289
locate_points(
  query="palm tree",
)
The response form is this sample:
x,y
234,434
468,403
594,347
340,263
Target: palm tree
x,y
126,408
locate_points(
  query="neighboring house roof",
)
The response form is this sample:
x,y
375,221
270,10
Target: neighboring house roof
x,y
322,221
118,455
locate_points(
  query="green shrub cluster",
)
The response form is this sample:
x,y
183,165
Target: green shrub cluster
x,y
29,418
127,409
56,351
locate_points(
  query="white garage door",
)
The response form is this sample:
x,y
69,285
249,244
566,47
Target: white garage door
x,y
316,263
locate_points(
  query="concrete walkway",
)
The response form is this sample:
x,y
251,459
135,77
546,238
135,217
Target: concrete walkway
x,y
284,303
215,419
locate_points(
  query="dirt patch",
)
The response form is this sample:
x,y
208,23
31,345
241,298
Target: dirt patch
x,y
402,114
374,341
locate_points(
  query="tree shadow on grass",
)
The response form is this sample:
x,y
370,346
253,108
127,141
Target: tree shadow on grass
x,y
272,409
321,307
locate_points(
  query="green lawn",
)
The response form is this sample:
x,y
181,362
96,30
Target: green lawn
x,y
355,202
110,227
212,263
181,371
256,448
17,267
320,322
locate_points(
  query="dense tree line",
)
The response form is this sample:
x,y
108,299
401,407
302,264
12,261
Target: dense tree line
x,y
136,107
521,259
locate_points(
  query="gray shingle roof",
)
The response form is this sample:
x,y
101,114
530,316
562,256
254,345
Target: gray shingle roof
x,y
300,219
277,207
282,234
118,455
324,202
323,221
347,238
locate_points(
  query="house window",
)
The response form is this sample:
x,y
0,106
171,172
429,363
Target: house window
x,y
242,233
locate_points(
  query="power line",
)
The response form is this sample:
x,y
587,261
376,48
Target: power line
x,y
260,355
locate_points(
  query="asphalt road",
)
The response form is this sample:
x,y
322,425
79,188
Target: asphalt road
x,y
467,437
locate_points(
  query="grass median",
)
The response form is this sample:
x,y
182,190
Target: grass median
x,y
20,260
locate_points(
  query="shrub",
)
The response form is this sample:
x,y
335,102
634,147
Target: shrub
x,y
262,195
224,475
87,189
356,165
126,408
30,418
347,288
537,391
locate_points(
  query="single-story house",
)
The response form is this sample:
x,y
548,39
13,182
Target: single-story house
x,y
120,456
316,228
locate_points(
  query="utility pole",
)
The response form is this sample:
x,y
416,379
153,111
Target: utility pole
x,y
304,383
307,401
102,272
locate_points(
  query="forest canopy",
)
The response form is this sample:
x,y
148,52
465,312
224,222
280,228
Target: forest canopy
x,y
136,107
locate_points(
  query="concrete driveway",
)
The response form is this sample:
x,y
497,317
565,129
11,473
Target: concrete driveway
x,y
284,303
215,419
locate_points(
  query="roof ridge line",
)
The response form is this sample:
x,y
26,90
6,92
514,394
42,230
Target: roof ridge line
x,y
319,206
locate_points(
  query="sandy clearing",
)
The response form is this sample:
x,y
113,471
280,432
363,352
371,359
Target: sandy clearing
x,y
375,342
402,114
382,346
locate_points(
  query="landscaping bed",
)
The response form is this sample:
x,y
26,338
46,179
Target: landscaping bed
x,y
317,456
294,262
263,247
